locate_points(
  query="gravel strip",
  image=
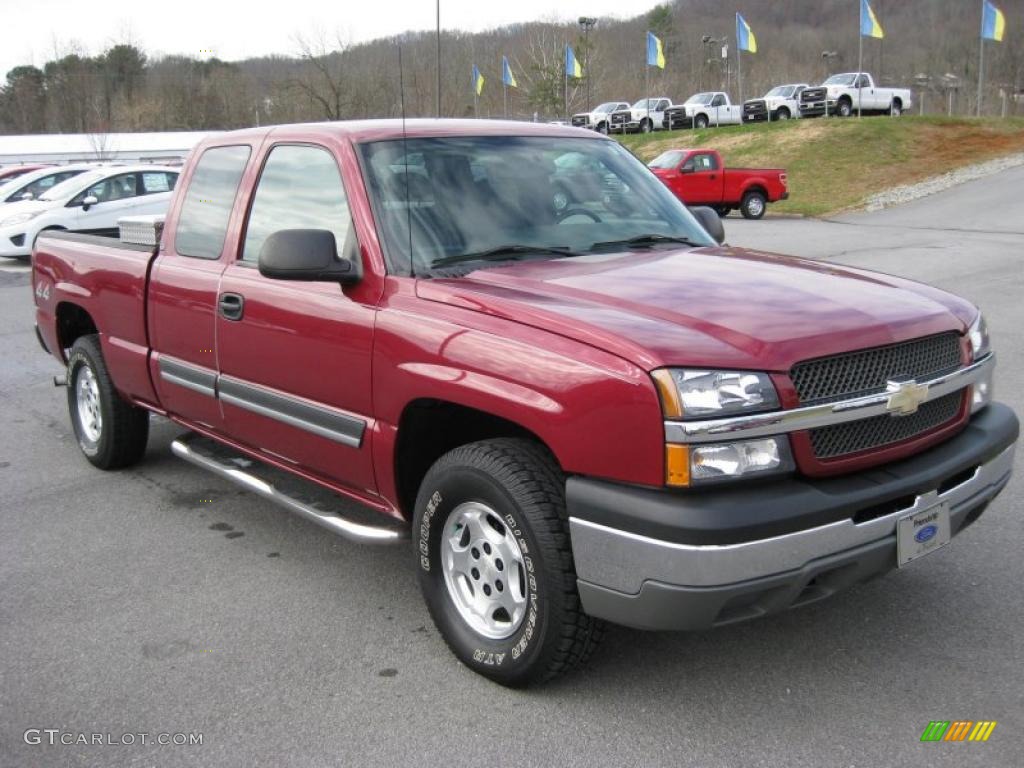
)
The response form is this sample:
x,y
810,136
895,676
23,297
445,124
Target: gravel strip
x,y
908,192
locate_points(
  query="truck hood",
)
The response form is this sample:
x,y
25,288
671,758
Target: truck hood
x,y
707,307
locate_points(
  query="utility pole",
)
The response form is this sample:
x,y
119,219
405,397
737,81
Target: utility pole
x,y
587,22
438,58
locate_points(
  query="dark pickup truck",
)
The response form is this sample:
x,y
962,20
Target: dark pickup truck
x,y
577,413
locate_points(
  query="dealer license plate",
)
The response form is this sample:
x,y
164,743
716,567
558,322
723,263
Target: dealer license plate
x,y
922,533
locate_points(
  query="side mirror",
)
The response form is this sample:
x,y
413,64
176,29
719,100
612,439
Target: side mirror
x,y
711,221
305,254
89,202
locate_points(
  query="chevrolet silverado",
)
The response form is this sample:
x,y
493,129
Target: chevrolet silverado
x,y
577,414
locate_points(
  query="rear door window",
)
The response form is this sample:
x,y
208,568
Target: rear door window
x,y
203,222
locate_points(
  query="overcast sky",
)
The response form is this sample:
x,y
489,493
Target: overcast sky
x,y
235,30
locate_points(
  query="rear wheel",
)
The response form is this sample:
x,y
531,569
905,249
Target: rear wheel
x,y
753,205
111,432
496,565
896,108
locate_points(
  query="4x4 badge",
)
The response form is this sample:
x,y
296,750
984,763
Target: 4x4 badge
x,y
905,396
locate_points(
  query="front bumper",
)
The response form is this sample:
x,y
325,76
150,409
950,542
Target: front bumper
x,y
661,560
14,244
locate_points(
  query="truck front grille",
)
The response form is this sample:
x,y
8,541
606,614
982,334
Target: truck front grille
x,y
755,107
878,431
811,95
619,117
866,371
579,120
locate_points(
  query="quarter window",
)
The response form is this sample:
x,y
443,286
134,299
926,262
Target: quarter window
x,y
210,196
300,188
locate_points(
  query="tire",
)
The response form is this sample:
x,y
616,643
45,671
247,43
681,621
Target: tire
x,y
782,114
844,108
753,205
111,432
645,126
602,128
896,108
723,210
700,121
507,495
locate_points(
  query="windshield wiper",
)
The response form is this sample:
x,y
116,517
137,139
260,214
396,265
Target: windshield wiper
x,y
503,252
640,241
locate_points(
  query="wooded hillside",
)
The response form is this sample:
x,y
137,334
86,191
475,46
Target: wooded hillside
x,y
122,89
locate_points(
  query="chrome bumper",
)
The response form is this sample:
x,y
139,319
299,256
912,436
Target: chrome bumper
x,y
623,561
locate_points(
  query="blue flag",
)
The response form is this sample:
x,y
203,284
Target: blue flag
x,y
572,67
506,74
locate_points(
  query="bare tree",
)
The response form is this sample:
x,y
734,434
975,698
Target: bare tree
x,y
322,78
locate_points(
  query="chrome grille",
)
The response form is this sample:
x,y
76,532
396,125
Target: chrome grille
x,y
856,436
866,371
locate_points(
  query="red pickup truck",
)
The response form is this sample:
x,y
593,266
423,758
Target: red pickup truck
x,y
577,412
699,177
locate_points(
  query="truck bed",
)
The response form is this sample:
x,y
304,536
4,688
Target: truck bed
x,y
107,278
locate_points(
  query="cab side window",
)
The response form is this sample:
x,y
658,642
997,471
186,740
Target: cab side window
x,y
210,196
300,188
701,162
718,101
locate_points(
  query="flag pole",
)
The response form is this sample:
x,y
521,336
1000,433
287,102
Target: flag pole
x,y
860,69
739,70
565,96
981,55
505,89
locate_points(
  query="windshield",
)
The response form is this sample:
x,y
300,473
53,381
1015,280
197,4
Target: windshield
x,y
608,106
700,98
669,159
840,80
72,186
645,104
780,92
474,194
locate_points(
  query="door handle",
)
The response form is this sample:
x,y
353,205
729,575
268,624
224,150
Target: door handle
x,y
231,306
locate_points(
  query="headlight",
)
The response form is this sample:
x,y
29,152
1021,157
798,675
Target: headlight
x,y
981,391
978,335
687,394
20,218
689,465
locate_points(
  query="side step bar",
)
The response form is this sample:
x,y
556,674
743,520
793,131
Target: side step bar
x,y
302,497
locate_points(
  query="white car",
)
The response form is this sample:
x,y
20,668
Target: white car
x,y
93,202
703,110
842,94
597,119
31,185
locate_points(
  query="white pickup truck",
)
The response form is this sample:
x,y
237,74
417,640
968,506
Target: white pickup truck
x,y
597,120
780,103
843,94
702,110
644,116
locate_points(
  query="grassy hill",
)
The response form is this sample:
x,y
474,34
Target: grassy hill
x,y
835,164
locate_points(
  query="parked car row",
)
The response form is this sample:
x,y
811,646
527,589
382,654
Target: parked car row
x,y
839,95
79,198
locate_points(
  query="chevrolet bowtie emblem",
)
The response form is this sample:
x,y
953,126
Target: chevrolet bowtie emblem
x,y
905,397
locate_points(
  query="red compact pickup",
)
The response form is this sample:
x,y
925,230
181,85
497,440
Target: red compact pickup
x,y
578,411
699,177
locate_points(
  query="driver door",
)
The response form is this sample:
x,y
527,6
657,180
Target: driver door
x,y
701,179
115,197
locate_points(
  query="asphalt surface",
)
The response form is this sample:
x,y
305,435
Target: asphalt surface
x,y
129,602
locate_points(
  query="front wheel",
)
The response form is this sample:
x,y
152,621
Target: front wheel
x,y
845,108
645,126
111,432
701,121
723,210
753,205
782,114
602,128
495,562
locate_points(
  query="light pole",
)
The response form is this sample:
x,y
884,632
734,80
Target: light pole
x,y
825,56
586,24
438,58
705,41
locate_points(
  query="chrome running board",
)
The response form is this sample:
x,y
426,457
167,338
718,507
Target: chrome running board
x,y
304,498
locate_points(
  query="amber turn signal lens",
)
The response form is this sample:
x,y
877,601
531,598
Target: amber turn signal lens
x,y
671,405
677,466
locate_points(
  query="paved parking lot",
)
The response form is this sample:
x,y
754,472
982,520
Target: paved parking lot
x,y
162,600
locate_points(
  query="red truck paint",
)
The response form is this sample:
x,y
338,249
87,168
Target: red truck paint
x,y
720,185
